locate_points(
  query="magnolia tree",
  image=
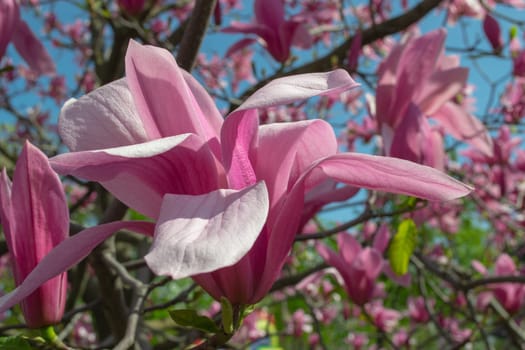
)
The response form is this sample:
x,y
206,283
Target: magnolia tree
x,y
267,174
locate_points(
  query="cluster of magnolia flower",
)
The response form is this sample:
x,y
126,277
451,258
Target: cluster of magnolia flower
x,y
157,142
224,196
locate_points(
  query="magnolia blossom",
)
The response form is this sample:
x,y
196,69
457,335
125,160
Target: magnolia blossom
x,y
35,218
407,95
133,7
158,143
14,29
277,33
510,295
359,267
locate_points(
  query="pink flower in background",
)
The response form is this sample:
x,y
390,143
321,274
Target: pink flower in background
x,y
510,295
407,95
417,309
14,29
513,100
300,323
241,64
384,319
9,14
452,326
458,8
133,7
35,218
277,34
493,32
357,340
359,267
264,174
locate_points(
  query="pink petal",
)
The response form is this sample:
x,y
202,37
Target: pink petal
x,y
239,45
32,50
198,234
505,265
441,87
381,239
104,118
163,98
323,194
332,258
370,261
406,141
433,148
464,126
239,137
493,32
388,175
9,17
349,248
269,12
40,214
298,87
178,164
355,50
206,103
385,98
301,36
424,50
248,28
479,267
403,280
6,208
67,254
285,150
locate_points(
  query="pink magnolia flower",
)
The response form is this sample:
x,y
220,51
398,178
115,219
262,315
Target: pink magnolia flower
x,y
452,326
224,183
510,295
35,218
357,340
513,99
133,7
417,309
458,8
277,34
383,318
406,95
14,29
300,323
358,267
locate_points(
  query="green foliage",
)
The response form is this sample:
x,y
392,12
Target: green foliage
x,y
402,246
470,243
190,319
14,343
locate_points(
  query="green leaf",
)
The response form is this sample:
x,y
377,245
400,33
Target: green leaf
x,y
402,246
227,315
190,319
513,32
14,343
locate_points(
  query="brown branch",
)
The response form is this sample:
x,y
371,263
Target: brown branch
x,y
295,279
194,33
